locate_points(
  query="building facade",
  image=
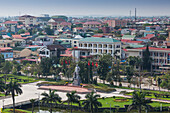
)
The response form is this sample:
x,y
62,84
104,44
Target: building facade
x,y
28,20
160,57
119,23
100,46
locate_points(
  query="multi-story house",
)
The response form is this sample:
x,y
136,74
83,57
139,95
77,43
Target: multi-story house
x,y
7,43
100,46
28,20
43,41
9,23
55,23
51,50
7,52
92,24
114,23
160,56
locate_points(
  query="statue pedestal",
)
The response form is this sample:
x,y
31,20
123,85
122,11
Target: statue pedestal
x,y
76,78
76,81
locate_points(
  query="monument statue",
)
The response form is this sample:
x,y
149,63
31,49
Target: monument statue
x,y
76,77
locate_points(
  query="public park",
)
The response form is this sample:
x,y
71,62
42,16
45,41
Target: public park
x,y
62,85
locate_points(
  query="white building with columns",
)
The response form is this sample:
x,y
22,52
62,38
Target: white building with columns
x,y
100,46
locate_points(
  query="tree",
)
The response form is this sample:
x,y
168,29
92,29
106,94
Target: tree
x,y
165,81
45,66
73,98
146,60
32,102
6,69
26,69
21,31
129,73
139,101
2,85
13,88
16,67
91,102
2,60
86,71
104,63
50,98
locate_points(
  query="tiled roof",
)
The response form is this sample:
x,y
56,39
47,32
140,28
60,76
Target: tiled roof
x,y
10,22
149,36
18,37
96,39
93,22
65,23
130,41
5,48
153,48
68,52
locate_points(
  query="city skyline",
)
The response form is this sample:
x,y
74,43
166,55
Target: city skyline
x,y
84,8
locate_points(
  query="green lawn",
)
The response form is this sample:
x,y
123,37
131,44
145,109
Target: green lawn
x,y
110,101
1,94
151,96
24,79
16,111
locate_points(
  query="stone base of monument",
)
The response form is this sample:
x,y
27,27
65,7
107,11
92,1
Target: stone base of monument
x,y
76,82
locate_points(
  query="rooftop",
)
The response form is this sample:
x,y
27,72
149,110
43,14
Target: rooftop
x,y
97,39
128,36
154,48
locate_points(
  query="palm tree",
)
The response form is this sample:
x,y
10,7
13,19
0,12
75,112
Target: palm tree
x,y
13,88
2,85
91,102
50,98
73,98
32,102
139,101
138,63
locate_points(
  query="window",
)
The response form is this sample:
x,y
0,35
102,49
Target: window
x,y
117,46
75,42
161,54
83,53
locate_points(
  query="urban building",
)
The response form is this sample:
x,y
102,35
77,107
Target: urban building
x,y
43,41
92,24
28,20
114,23
100,46
160,56
7,52
51,50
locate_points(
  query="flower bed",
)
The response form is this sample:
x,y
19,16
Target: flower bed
x,y
121,100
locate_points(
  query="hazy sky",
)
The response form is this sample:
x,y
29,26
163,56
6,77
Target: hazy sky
x,y
85,7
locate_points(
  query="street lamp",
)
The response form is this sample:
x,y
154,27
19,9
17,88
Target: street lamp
x,y
3,103
110,107
38,101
